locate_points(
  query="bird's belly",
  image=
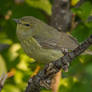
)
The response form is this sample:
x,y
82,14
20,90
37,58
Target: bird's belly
x,y
39,54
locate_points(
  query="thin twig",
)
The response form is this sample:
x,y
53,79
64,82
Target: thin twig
x,y
2,80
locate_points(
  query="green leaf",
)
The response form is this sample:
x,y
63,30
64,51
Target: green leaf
x,y
41,4
3,68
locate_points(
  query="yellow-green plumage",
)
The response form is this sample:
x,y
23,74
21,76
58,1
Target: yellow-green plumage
x,y
38,53
41,41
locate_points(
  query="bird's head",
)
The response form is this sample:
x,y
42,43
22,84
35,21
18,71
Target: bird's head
x,y
26,26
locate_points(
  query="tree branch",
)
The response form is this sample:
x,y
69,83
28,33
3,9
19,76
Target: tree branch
x,y
61,15
45,76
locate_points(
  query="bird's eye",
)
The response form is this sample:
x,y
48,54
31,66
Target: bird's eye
x,y
27,24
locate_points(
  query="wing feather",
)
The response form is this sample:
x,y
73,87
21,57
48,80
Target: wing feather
x,y
50,38
62,41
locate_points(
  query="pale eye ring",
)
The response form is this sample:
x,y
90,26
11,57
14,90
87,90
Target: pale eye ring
x,y
27,24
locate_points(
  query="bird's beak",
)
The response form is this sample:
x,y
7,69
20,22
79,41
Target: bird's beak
x,y
16,20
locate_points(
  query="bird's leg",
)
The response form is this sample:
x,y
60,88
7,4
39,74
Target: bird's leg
x,y
64,50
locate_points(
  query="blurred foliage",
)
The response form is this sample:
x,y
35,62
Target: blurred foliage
x,y
79,77
74,2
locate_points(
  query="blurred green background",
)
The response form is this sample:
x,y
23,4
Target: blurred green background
x,y
14,60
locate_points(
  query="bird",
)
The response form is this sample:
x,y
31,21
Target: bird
x,y
42,42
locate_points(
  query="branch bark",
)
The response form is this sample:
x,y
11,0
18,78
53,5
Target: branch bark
x,y
45,76
61,15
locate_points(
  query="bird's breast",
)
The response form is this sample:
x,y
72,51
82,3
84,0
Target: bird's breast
x,y
34,50
30,47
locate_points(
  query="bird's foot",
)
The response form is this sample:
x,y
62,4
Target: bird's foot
x,y
64,50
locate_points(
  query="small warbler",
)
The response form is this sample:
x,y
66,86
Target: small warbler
x,y
41,41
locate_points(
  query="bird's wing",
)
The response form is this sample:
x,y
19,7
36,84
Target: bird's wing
x,y
45,43
48,37
56,41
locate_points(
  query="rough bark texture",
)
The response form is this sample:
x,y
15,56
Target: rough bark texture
x,y
35,83
61,15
